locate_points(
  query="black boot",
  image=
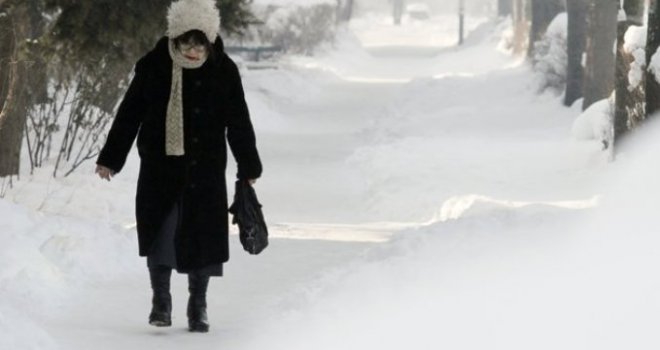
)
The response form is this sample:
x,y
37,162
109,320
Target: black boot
x,y
197,318
161,311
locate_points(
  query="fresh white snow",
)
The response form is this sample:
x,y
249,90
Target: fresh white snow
x,y
635,44
595,123
419,196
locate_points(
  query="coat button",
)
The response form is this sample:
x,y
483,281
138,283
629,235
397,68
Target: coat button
x,y
195,140
193,162
198,83
192,186
197,110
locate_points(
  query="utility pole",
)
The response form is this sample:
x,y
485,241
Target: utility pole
x,y
461,21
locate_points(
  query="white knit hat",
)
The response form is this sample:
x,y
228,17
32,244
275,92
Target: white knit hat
x,y
187,15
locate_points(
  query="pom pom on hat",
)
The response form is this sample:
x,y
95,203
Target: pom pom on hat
x,y
187,15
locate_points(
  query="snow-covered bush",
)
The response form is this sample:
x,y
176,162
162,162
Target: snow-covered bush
x,y
297,28
595,123
66,126
550,57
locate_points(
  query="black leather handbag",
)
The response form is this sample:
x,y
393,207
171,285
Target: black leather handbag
x,y
246,210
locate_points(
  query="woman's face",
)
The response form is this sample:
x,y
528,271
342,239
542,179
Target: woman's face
x,y
193,52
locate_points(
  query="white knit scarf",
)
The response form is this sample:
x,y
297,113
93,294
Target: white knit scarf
x,y
174,120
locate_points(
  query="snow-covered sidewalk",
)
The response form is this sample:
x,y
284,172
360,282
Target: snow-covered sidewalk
x,y
414,201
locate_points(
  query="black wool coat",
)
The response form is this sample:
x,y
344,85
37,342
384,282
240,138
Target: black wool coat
x,y
214,110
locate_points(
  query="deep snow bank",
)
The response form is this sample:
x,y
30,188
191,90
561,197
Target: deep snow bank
x,y
484,134
537,276
46,259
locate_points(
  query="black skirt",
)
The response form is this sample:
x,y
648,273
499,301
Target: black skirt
x,y
163,252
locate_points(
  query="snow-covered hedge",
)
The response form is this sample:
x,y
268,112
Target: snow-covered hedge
x,y
296,28
550,55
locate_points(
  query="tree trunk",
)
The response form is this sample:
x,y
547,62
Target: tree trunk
x,y
634,10
627,101
520,25
13,112
577,38
461,22
504,8
348,10
543,12
345,10
601,37
38,76
652,43
397,11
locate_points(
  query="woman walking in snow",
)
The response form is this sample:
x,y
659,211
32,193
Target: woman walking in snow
x,y
186,95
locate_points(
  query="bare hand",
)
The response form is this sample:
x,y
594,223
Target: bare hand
x,y
104,172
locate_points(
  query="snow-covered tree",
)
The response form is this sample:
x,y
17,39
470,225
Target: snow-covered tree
x,y
83,49
652,44
629,92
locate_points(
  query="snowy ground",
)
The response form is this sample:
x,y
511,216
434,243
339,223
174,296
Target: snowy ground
x,y
415,200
